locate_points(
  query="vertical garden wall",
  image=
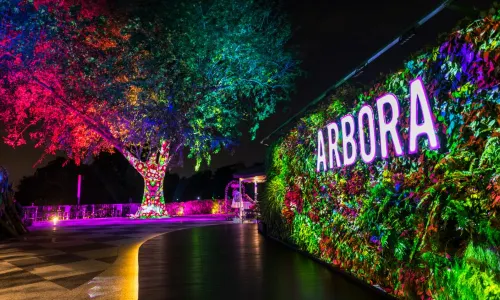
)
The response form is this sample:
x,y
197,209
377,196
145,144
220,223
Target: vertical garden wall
x,y
420,226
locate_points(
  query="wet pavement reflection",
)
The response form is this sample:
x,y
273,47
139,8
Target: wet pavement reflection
x,y
234,262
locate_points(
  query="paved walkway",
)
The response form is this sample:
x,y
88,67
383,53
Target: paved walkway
x,y
82,259
234,262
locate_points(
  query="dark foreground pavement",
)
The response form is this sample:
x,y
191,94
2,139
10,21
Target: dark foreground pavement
x,y
234,262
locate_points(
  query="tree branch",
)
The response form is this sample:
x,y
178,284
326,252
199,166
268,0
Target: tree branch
x,y
88,121
216,88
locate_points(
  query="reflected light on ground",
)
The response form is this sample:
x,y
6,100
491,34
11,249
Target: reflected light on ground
x,y
130,273
118,279
102,285
121,281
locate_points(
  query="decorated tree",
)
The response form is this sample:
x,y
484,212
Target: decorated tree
x,y
77,78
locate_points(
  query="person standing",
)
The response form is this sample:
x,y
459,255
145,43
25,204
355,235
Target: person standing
x,y
238,203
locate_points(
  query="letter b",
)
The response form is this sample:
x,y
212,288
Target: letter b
x,y
348,139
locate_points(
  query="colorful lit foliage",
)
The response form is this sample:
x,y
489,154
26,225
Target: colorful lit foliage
x,y
422,226
76,78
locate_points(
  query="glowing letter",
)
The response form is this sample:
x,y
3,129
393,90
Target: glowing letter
x,y
321,152
332,145
418,97
348,138
368,112
385,127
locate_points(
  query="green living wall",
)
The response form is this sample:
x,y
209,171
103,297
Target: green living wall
x,y
421,226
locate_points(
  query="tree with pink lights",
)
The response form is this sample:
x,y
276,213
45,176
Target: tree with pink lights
x,y
76,78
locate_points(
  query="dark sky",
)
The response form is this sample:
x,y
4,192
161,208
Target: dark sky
x,y
333,37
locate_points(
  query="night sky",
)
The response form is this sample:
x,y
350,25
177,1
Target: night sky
x,y
333,37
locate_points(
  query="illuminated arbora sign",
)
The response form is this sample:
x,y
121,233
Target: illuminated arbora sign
x,y
422,125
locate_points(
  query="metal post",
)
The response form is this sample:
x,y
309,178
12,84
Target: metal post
x,y
79,189
241,203
255,189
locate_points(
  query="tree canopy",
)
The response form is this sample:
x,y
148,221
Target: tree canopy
x,y
78,78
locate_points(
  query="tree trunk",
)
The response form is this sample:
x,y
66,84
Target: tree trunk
x,y
11,224
153,172
153,198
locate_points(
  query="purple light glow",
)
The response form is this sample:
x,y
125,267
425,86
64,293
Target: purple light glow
x,y
127,221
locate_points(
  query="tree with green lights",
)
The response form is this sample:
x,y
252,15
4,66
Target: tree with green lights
x,y
85,79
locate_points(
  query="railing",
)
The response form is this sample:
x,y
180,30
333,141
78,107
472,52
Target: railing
x,y
89,211
65,212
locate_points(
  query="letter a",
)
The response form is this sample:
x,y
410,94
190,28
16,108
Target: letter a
x,y
321,152
418,97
